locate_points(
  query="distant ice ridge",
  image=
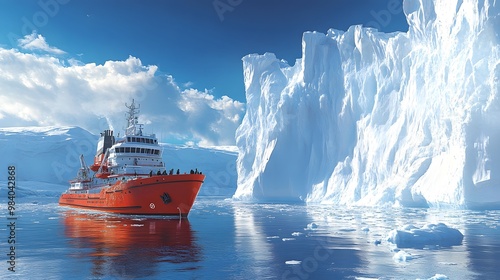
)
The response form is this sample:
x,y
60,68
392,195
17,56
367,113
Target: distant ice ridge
x,y
368,118
50,155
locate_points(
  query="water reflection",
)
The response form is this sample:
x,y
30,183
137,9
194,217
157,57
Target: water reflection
x,y
482,237
251,244
277,241
130,247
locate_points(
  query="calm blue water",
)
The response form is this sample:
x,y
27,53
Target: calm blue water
x,y
228,240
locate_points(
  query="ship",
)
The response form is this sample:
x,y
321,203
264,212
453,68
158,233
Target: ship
x,y
128,176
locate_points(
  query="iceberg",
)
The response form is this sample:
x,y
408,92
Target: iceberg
x,y
370,118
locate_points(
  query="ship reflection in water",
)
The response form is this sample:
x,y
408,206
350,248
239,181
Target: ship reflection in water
x,y
130,246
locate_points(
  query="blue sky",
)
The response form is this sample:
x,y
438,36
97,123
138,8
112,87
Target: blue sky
x,y
196,44
197,41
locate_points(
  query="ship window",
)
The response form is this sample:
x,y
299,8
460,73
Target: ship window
x,y
127,149
128,139
142,140
148,151
157,152
132,150
156,141
121,149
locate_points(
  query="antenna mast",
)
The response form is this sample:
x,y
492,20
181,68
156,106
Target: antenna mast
x,y
132,121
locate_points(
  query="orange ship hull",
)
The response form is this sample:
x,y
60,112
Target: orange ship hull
x,y
168,195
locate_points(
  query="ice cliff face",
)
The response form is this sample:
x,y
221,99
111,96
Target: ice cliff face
x,y
369,118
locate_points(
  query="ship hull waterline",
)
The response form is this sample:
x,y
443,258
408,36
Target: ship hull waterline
x,y
164,195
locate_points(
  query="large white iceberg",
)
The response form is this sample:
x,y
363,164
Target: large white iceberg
x,y
369,118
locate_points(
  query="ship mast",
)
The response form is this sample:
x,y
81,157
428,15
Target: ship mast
x,y
133,126
84,171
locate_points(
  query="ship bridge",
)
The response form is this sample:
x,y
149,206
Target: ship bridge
x,y
136,153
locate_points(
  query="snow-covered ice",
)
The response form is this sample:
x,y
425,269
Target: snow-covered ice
x,y
287,239
369,118
47,157
311,226
437,277
439,234
402,256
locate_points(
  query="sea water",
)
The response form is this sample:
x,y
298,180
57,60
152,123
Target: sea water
x,y
223,239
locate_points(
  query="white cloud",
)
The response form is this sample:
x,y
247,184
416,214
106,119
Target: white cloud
x,y
44,90
36,41
188,84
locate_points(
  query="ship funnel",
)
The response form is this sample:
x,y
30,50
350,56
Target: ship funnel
x,y
105,142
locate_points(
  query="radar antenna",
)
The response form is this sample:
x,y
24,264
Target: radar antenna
x,y
133,126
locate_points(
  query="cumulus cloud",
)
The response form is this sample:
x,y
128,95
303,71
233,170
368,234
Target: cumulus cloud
x,y
44,90
36,41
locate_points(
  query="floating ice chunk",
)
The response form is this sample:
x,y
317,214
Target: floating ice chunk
x,y
288,239
273,237
293,262
431,234
347,229
297,233
436,277
311,226
402,256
